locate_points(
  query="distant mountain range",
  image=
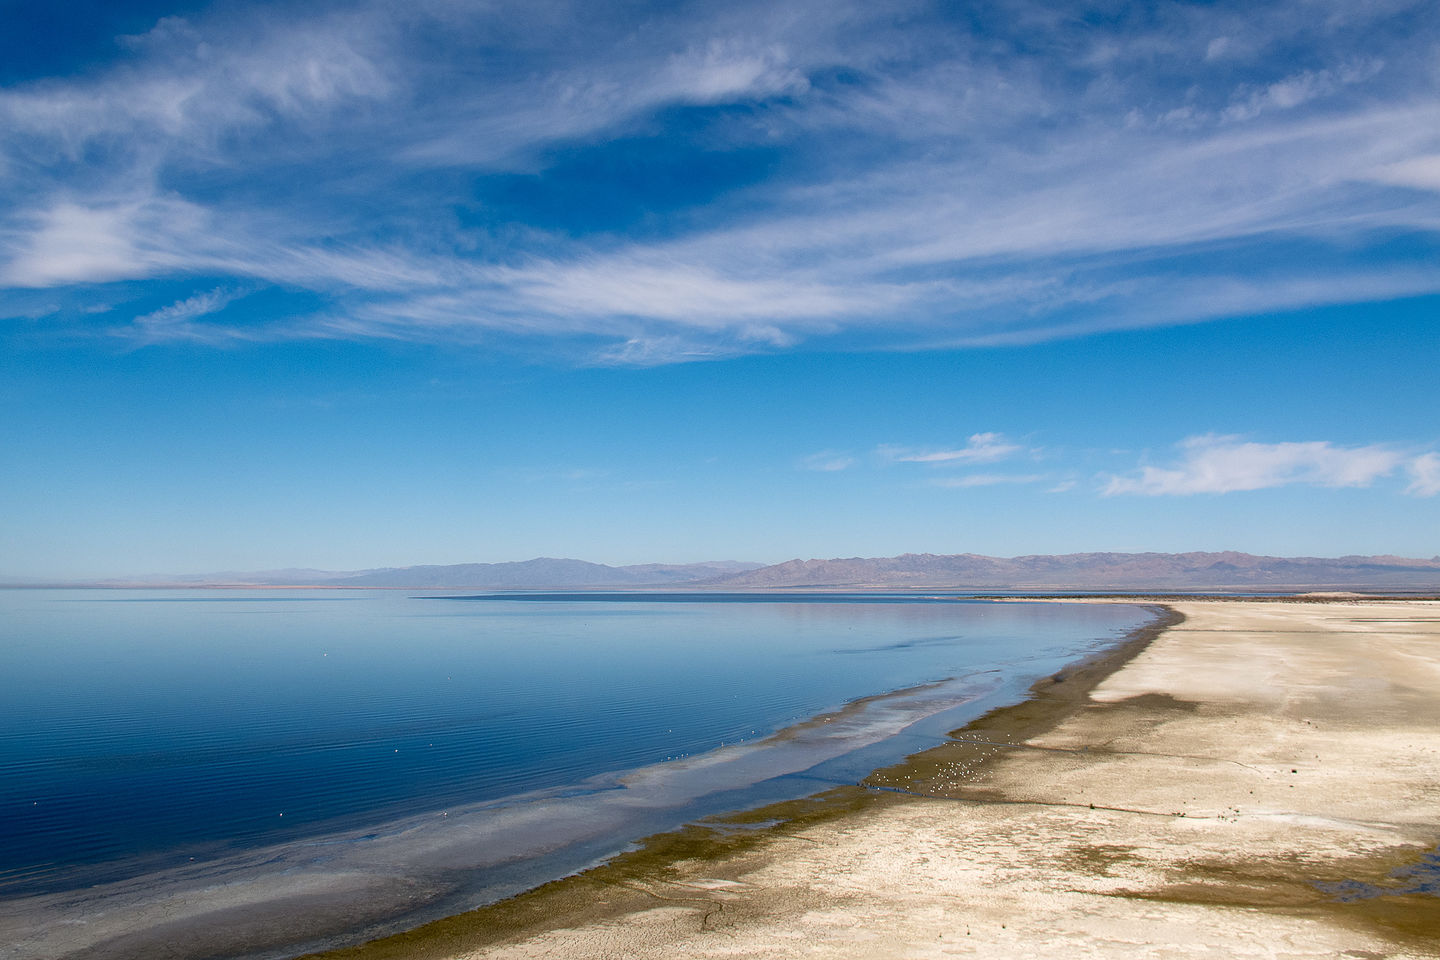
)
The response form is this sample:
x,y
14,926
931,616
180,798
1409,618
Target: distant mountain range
x,y
1075,571
540,572
1102,571
547,572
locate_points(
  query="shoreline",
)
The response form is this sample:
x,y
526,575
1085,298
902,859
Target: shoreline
x,y
572,899
1112,813
331,889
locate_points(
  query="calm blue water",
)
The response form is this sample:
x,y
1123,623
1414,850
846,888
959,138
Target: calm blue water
x,y
143,728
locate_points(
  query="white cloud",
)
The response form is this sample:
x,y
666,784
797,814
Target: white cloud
x,y
658,350
1225,464
660,288
967,220
177,321
187,90
502,124
1421,173
1298,89
1425,470
729,69
71,243
980,448
827,461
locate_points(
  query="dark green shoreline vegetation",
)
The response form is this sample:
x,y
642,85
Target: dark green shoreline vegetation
x,y
619,886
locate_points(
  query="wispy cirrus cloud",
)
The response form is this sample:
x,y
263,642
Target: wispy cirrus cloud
x,y
1421,173
1206,464
1297,89
1227,464
948,181
177,321
187,95
827,461
71,243
1425,475
979,448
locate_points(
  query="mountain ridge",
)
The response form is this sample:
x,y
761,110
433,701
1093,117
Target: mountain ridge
x,y
1101,570
536,572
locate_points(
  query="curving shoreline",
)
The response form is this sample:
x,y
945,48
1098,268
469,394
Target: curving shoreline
x,y
1211,789
372,879
573,899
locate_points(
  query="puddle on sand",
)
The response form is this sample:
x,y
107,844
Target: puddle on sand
x,y
1422,877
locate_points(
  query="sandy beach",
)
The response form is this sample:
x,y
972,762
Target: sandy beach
x,y
1260,780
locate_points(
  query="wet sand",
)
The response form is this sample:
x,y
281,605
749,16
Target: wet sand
x,y
1259,780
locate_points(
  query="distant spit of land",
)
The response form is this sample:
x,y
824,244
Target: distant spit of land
x,y
1119,572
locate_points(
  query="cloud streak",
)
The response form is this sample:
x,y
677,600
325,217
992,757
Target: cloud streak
x,y
827,461
177,321
1225,464
1425,474
1208,464
952,182
979,448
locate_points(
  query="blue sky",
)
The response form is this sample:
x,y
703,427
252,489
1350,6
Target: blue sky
x,y
352,285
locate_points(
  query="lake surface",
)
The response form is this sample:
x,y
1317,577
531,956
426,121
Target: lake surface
x,y
464,748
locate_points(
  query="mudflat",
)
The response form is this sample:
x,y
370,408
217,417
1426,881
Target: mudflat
x,y
1261,780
